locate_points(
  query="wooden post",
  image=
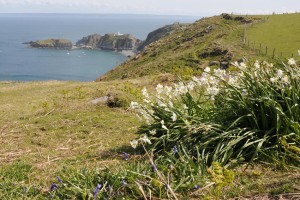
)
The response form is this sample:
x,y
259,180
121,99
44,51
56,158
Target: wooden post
x,y
266,50
292,55
273,53
259,48
254,46
280,54
244,35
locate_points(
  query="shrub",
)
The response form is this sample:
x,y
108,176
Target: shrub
x,y
249,113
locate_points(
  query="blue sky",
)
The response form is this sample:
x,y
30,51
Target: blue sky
x,y
165,7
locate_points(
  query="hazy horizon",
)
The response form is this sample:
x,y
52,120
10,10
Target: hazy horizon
x,y
150,7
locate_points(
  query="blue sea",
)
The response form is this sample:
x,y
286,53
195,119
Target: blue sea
x,y
19,63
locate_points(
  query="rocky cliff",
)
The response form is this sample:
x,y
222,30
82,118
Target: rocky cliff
x,y
160,33
109,42
51,43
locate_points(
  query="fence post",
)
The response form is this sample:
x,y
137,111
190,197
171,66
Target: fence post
x,y
280,54
266,50
259,48
244,34
254,46
273,53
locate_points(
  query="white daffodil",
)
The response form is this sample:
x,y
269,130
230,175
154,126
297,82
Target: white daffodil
x,y
160,103
285,79
242,66
145,140
163,125
207,69
145,93
291,61
159,89
256,64
134,105
134,143
152,132
273,80
174,117
213,91
279,73
219,72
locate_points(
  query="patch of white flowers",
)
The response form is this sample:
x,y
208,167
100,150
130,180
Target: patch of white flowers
x,y
169,98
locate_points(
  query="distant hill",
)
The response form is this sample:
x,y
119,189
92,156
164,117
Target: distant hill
x,y
189,48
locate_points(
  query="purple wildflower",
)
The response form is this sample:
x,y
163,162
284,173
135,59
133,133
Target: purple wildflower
x,y
96,190
175,149
59,180
123,183
125,155
196,187
53,187
153,167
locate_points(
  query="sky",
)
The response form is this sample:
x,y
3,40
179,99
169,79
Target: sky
x,y
159,7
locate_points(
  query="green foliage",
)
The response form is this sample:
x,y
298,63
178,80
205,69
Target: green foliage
x,y
250,113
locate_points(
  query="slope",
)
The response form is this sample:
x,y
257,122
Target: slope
x,y
188,49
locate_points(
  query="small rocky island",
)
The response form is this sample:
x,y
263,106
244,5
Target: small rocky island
x,y
111,41
51,43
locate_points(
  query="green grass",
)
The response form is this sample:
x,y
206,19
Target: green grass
x,y
52,124
278,31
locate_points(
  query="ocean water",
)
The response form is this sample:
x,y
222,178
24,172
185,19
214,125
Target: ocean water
x,y
19,63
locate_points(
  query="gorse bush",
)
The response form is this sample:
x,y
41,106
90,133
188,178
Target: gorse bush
x,y
228,116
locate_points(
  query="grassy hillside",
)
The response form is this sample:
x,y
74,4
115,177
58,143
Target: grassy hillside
x,y
277,31
188,50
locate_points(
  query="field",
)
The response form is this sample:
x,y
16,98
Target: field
x,y
52,124
277,31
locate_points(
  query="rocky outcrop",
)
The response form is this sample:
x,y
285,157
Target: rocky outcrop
x,y
160,33
51,43
89,42
242,19
110,41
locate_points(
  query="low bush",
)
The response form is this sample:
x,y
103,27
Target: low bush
x,y
251,112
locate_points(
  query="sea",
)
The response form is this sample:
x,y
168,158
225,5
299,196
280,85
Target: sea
x,y
19,63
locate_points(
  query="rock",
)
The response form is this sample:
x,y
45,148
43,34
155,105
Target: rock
x,y
214,50
214,63
160,33
241,60
103,99
224,65
115,42
89,42
236,18
51,43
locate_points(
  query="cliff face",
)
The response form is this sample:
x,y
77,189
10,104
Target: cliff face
x,y
160,33
51,43
89,41
109,42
